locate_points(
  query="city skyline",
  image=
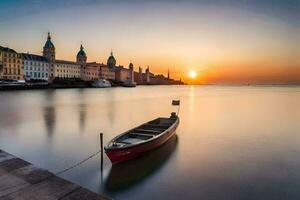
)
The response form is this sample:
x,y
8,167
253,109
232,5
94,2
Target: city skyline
x,y
222,41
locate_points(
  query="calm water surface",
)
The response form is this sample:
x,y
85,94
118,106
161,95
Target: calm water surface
x,y
232,142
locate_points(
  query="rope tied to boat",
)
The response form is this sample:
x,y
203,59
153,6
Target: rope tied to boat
x,y
77,164
54,174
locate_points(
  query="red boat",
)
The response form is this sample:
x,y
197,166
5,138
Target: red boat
x,y
141,139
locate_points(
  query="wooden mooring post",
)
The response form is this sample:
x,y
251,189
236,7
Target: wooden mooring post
x,y
20,179
101,148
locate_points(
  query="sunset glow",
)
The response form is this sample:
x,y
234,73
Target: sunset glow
x,y
248,41
192,74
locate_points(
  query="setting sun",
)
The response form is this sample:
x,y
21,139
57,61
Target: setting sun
x,y
192,74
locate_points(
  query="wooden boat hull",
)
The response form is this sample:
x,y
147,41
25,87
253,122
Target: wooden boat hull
x,y
127,174
120,155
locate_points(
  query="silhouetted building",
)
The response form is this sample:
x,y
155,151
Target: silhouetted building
x,y
111,61
81,56
47,67
123,74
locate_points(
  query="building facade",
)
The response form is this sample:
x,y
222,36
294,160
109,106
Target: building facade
x,y
66,69
142,78
19,66
49,49
123,74
35,67
61,68
91,71
1,63
103,72
12,67
107,73
81,57
111,61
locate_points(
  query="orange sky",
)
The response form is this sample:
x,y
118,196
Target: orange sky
x,y
224,42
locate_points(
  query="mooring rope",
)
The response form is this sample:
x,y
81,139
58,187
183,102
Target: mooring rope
x,y
77,164
54,174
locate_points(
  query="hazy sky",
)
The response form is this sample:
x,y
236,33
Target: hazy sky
x,y
225,41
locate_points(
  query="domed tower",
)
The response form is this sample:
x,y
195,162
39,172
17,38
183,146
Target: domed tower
x,y
49,49
131,72
130,66
148,75
81,56
111,61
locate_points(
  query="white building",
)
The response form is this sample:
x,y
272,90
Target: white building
x,y
35,67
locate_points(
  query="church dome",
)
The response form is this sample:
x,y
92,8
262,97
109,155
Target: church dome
x,y
130,65
49,43
81,52
111,61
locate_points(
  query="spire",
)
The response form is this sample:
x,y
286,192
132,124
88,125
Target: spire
x,y
81,47
49,36
168,73
111,53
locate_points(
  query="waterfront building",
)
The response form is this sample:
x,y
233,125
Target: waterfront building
x,y
81,56
35,67
107,73
49,54
131,68
60,68
49,49
148,75
162,80
104,72
19,66
111,61
66,69
12,67
142,78
1,63
87,73
123,74
91,71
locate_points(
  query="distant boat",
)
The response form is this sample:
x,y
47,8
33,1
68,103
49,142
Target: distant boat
x,y
129,84
137,141
101,83
12,82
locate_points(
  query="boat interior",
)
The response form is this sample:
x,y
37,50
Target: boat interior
x,y
144,132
